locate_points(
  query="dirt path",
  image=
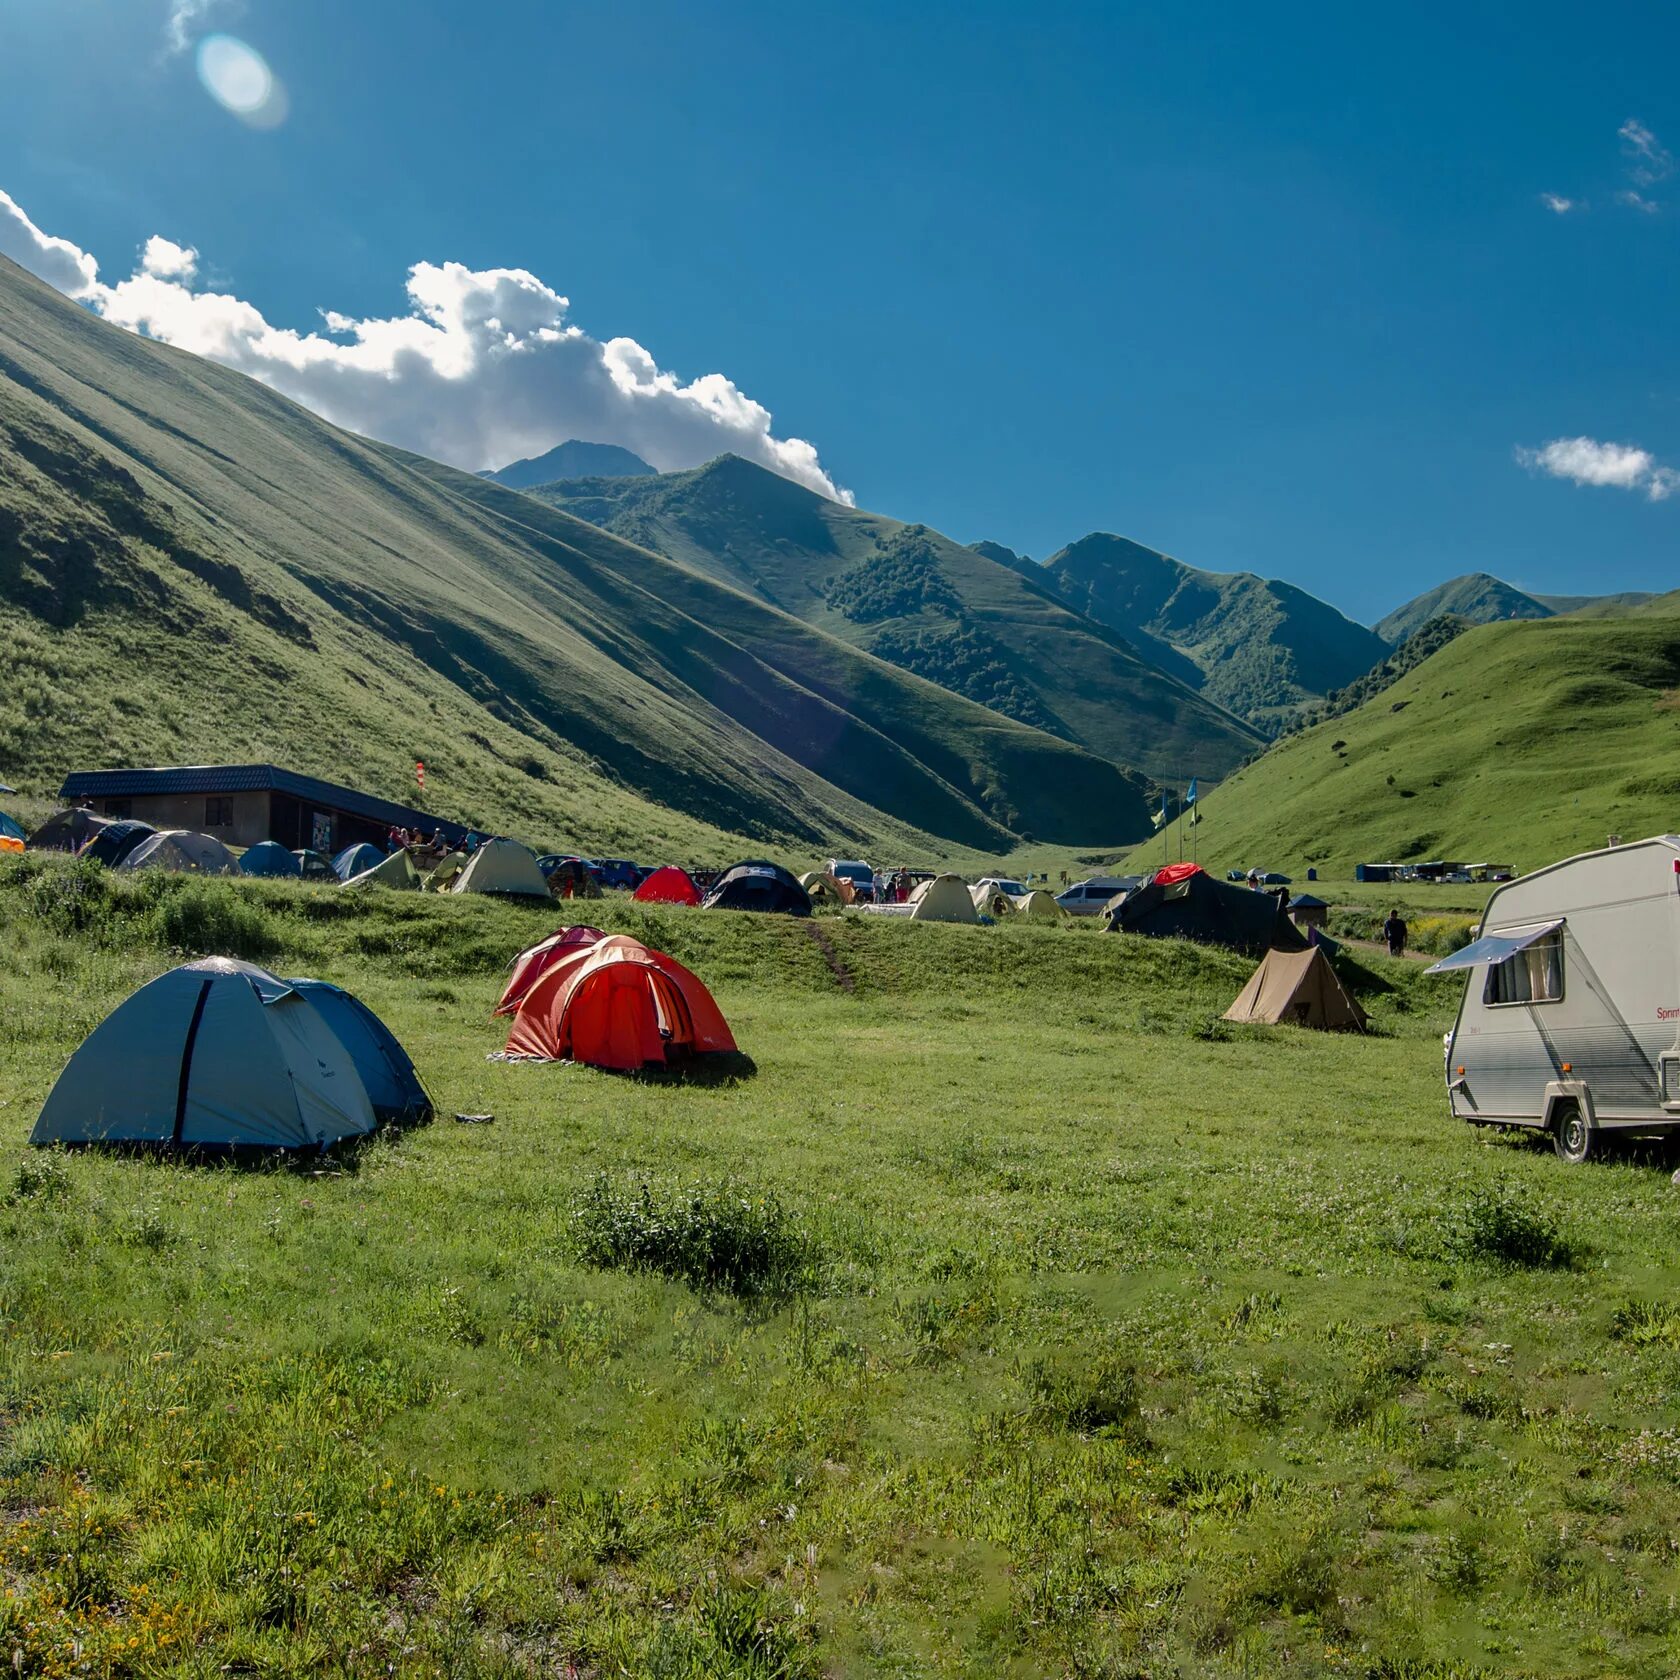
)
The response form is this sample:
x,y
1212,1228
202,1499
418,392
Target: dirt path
x,y
842,975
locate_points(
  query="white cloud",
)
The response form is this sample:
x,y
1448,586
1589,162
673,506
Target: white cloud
x,y
182,26
57,261
166,260
1638,201
1649,160
1559,205
483,368
1616,466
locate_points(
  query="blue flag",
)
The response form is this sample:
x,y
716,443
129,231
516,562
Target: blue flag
x,y
1190,797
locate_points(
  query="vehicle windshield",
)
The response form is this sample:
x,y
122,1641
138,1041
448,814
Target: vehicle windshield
x,y
854,871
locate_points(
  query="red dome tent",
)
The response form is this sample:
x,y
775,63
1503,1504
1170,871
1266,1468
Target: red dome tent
x,y
617,1004
530,966
669,885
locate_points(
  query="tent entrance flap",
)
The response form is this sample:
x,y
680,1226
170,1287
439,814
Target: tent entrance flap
x,y
1494,947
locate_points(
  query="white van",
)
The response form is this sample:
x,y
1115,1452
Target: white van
x,y
1087,898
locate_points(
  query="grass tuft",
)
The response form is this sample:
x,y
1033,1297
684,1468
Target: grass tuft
x,y
1500,1226
723,1237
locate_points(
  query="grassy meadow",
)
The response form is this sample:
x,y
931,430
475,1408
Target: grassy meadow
x,y
1069,1331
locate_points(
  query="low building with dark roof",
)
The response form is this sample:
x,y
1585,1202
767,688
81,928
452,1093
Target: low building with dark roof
x,y
241,804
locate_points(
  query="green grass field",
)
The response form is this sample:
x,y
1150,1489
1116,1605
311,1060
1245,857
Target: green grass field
x,y
1116,1340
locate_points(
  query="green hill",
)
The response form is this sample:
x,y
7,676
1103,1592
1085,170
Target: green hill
x,y
988,629
1522,742
193,568
572,459
1478,598
1260,647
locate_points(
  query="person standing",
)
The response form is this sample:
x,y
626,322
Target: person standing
x,y
1395,931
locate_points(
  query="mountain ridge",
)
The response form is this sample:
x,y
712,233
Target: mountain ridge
x,y
193,567
995,632
574,458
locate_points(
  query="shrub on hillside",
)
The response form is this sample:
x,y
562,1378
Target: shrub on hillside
x,y
727,1237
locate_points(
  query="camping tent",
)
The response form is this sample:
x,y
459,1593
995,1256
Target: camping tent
x,y
1299,987
216,1055
617,1004
993,901
315,866
758,886
570,877
387,1074
1306,910
180,851
395,870
502,866
269,857
669,885
943,899
1039,906
445,870
823,888
1190,904
530,965
11,829
112,844
354,860
66,831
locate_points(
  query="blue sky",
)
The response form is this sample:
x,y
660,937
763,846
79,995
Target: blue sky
x,y
1273,288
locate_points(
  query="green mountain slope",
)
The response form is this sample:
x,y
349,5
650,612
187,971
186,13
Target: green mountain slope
x,y
1478,598
572,459
194,568
1522,742
1259,647
995,632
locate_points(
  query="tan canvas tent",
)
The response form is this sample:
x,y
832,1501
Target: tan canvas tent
x,y
993,901
1299,987
396,871
943,899
502,866
827,889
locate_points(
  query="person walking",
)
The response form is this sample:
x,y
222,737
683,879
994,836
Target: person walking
x,y
1395,931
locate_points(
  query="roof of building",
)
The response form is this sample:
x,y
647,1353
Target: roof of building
x,y
247,778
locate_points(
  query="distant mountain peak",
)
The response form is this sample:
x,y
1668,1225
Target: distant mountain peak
x,y
572,459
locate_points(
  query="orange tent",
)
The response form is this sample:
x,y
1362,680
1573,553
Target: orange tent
x,y
616,1004
530,966
669,885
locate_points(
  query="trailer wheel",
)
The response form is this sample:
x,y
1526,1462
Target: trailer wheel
x,y
1572,1137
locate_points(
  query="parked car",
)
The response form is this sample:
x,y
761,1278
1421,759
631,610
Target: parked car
x,y
861,876
1087,898
620,873
1002,884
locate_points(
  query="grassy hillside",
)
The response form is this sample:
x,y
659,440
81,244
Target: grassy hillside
x,y
1117,1340
995,632
1521,742
193,568
1262,648
1478,598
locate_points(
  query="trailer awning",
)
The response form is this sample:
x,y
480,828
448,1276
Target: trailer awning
x,y
1494,947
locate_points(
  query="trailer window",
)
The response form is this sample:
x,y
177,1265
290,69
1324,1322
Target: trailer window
x,y
1531,975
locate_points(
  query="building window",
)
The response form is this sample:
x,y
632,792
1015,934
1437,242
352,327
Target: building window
x,y
218,813
120,809
1531,975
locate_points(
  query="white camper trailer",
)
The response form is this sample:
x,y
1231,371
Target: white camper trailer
x,y
1570,1022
